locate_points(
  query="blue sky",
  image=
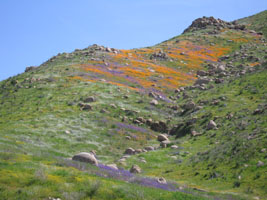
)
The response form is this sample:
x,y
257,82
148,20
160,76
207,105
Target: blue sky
x,y
32,31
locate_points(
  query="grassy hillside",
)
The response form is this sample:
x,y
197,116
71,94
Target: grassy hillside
x,y
256,22
108,100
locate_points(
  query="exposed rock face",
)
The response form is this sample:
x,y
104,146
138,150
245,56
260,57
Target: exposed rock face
x,y
85,157
204,22
135,169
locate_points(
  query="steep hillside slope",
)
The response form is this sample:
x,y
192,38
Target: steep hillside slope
x,y
204,89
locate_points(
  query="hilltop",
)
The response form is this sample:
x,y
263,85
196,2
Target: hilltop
x,y
184,119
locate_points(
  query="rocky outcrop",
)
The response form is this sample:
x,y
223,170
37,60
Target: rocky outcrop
x,y
204,22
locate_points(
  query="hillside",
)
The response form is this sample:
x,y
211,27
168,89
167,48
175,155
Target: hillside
x,y
256,22
205,90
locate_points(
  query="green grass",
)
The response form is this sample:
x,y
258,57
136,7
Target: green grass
x,y
34,145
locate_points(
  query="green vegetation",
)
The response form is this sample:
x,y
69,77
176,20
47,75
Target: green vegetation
x,y
43,124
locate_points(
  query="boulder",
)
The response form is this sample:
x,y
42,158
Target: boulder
x,y
190,105
85,106
154,102
89,100
221,68
201,73
159,126
162,180
129,151
211,125
135,169
138,151
85,157
202,81
162,137
149,148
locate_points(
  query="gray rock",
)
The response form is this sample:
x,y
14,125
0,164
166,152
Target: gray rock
x,y
149,148
211,125
129,151
135,169
162,180
85,157
162,137
89,99
154,102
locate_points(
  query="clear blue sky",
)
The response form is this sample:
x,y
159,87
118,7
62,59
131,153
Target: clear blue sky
x,y
32,31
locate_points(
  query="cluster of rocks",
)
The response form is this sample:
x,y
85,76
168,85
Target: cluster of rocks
x,y
96,47
159,55
31,68
84,105
218,24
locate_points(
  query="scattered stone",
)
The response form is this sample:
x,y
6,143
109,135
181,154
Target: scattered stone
x,y
138,151
257,111
85,157
129,151
202,81
135,169
201,73
89,100
211,125
190,105
103,111
85,106
149,148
